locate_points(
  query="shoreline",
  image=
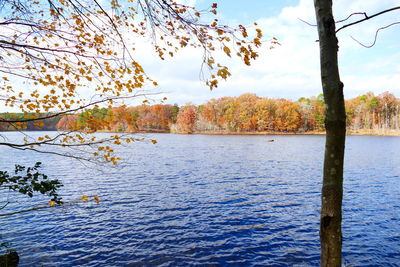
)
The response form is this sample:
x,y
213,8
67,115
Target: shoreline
x,y
255,133
380,132
348,133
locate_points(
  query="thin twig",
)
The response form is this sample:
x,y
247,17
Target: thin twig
x,y
376,35
367,18
308,23
352,14
23,211
42,207
5,205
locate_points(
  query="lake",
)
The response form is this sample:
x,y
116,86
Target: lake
x,y
194,200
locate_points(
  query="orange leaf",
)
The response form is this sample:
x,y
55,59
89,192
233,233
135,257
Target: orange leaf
x,y
227,51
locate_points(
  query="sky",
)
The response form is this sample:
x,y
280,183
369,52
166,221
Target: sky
x,y
292,69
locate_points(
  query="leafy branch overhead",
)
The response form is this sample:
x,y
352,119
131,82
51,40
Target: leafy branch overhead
x,y
65,46
59,57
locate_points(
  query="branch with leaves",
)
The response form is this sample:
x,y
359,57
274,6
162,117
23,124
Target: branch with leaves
x,y
53,52
29,180
69,57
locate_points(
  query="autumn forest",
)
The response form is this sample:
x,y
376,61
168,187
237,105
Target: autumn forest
x,y
246,113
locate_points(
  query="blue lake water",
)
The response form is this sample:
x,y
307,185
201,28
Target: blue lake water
x,y
194,200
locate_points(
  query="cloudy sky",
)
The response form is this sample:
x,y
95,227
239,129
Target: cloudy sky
x,y
292,69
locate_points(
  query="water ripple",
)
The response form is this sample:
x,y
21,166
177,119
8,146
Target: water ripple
x,y
211,201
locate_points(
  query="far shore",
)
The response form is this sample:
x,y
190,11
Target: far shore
x,y
349,132
377,132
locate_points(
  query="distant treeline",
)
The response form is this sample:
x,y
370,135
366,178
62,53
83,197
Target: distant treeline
x,y
246,113
33,125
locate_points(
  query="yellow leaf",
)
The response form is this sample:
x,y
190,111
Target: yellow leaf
x,y
259,33
227,51
84,198
51,203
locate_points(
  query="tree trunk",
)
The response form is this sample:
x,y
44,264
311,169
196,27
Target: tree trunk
x,y
335,125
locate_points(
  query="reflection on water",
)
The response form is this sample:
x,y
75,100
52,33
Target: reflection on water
x,y
211,200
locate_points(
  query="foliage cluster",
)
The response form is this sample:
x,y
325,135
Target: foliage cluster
x,y
28,180
62,58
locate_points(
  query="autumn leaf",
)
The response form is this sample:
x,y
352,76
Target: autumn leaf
x,y
227,51
259,33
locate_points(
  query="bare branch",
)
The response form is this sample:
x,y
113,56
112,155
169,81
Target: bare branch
x,y
71,203
5,205
65,155
23,211
308,23
367,18
376,35
352,14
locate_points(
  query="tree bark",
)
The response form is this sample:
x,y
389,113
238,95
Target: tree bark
x,y
335,125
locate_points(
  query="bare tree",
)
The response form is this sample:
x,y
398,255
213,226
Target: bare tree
x,y
335,125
